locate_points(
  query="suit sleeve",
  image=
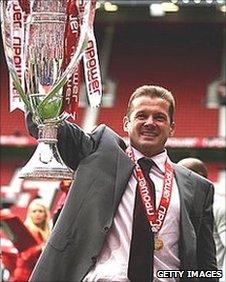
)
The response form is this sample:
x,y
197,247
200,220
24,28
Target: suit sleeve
x,y
206,250
74,144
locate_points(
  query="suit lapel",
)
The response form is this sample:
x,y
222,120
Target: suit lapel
x,y
184,187
123,172
187,245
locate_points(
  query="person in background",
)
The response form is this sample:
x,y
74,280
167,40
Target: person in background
x,y
195,165
63,191
130,212
37,222
219,211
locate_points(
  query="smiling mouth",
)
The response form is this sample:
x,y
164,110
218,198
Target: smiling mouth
x,y
148,134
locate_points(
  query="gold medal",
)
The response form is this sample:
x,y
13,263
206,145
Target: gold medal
x,y
158,244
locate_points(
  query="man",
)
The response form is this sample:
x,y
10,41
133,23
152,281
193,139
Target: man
x,y
96,236
195,165
199,167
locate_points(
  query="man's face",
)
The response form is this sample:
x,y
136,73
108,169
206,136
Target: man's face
x,y
149,125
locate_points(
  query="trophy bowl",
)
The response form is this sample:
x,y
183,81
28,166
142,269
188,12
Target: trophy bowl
x,y
40,29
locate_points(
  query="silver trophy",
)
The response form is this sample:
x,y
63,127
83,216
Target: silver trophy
x,y
41,25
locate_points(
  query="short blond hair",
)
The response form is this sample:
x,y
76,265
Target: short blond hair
x,y
152,91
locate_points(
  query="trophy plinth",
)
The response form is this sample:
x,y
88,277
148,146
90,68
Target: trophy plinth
x,y
46,162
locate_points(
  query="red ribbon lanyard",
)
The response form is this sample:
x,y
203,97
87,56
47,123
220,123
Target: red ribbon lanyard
x,y
157,216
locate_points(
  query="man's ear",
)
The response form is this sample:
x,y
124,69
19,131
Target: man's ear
x,y
125,124
172,129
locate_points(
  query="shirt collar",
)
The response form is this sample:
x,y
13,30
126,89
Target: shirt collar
x,y
159,159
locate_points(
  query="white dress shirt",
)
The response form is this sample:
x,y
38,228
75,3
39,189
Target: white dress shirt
x,y
112,263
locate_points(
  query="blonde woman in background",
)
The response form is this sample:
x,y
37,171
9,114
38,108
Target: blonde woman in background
x,y
37,222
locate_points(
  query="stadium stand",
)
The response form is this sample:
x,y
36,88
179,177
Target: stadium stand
x,y
174,57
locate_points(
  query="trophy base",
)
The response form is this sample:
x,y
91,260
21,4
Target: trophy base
x,y
46,162
44,174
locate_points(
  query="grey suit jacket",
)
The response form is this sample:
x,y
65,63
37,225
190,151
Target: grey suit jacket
x,y
102,173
